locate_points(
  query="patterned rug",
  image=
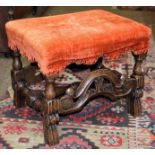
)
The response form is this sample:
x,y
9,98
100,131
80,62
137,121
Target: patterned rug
x,y
101,124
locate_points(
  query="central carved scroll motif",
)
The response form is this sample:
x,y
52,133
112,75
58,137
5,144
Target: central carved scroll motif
x,y
93,86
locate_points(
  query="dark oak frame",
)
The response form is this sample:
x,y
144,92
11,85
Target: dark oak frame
x,y
57,100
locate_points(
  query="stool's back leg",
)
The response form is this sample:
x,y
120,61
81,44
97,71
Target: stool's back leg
x,y
19,98
50,113
134,100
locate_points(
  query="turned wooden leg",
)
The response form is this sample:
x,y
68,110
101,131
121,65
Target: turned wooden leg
x,y
50,114
134,104
19,99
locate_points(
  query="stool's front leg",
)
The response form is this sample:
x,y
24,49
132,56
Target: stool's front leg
x,y
134,106
50,113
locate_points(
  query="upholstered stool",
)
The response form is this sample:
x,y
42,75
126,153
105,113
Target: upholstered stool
x,y
53,43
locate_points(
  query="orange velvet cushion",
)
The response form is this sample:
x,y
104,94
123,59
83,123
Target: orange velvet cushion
x,y
56,41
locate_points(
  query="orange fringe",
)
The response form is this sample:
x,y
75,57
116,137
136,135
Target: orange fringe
x,y
136,40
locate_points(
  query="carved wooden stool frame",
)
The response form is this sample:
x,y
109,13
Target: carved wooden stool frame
x,y
56,100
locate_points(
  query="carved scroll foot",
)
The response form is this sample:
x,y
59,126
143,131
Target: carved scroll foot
x,y
51,135
50,114
134,104
134,100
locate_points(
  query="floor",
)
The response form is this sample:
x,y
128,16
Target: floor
x,y
145,17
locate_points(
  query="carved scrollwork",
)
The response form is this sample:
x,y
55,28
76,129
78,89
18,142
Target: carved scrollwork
x,y
99,84
95,87
104,73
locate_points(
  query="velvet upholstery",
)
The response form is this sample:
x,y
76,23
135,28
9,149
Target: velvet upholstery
x,y
56,41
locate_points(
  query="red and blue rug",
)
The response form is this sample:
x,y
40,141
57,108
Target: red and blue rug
x,y
101,124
